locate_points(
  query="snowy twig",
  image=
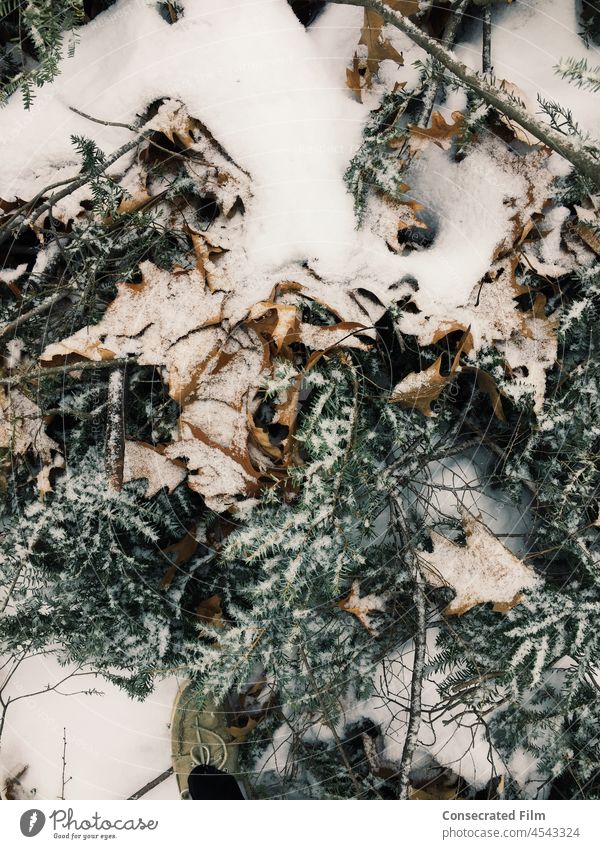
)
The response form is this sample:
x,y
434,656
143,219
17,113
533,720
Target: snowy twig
x,y
14,226
419,642
115,430
486,52
580,158
431,92
42,308
68,367
151,784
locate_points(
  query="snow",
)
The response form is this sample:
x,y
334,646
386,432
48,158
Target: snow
x,y
114,745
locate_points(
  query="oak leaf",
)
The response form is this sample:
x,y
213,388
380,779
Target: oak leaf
x,y
481,571
378,47
363,606
143,460
440,133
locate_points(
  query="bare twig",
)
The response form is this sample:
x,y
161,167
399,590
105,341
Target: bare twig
x,y
151,784
64,781
330,724
14,226
578,156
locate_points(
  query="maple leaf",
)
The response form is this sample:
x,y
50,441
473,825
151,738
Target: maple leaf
x,y
363,606
481,571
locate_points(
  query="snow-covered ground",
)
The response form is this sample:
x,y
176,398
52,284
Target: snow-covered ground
x,y
115,745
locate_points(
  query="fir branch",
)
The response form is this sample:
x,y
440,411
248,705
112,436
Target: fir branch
x,y
577,72
578,155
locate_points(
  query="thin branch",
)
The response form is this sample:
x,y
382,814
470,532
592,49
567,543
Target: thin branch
x,y
21,221
53,370
486,49
151,784
115,430
64,780
42,308
580,158
330,724
419,643
431,92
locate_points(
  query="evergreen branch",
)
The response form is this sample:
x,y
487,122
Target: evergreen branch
x,y
578,72
577,155
19,222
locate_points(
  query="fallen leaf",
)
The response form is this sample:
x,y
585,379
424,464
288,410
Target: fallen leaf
x,y
209,611
142,460
179,553
481,571
22,427
440,133
362,607
378,47
420,389
358,76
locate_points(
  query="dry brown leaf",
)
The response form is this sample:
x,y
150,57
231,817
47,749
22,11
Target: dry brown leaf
x,y
439,133
519,132
209,611
277,322
362,607
378,47
143,460
358,76
420,389
404,7
179,553
205,248
481,571
44,484
589,235
22,427
240,732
